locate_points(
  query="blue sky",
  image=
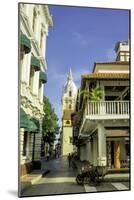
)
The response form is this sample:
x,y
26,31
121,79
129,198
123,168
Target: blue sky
x,y
80,37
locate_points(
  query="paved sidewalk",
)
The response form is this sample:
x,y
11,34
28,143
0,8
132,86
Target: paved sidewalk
x,y
114,175
118,177
30,179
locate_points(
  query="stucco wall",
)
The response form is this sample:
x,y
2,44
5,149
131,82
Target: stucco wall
x,y
67,147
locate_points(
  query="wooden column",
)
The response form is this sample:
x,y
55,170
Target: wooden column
x,y
117,152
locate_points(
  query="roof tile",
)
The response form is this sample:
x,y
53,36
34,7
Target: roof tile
x,y
106,76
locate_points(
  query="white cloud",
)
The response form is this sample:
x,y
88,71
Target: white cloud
x,y
81,38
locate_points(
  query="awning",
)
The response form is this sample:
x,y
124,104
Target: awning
x,y
37,123
25,43
43,77
35,63
26,122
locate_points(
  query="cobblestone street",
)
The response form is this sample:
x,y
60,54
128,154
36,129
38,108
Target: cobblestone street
x,y
61,180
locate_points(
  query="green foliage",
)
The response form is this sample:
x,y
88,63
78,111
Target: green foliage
x,y
50,121
95,94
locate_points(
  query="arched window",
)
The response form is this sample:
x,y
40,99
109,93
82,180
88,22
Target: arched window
x,y
67,122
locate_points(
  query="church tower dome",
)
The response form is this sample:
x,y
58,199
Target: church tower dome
x,y
70,85
69,93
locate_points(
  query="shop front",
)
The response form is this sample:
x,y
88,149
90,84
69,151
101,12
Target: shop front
x,y
118,148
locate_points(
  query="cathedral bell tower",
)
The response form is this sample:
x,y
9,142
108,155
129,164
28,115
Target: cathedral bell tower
x,y
69,96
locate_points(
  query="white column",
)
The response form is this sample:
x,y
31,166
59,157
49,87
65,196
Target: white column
x,y
103,89
83,152
95,151
89,151
24,68
27,9
101,145
41,95
44,45
28,68
29,12
36,83
38,28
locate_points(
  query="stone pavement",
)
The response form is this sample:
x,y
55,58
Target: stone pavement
x,y
47,166
29,179
57,171
61,180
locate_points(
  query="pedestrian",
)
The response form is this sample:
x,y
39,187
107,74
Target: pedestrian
x,y
47,156
55,153
69,160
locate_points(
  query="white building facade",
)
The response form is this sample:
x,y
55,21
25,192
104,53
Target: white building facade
x,y
35,21
104,130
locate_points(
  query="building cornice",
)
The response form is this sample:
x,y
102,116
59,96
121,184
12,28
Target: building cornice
x,y
48,15
111,63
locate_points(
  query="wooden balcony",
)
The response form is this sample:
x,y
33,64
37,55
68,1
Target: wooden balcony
x,y
105,111
107,108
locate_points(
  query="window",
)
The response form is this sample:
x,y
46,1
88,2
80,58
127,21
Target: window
x,y
67,122
25,144
70,93
70,107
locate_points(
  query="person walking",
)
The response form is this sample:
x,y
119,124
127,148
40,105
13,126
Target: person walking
x,y
69,160
47,156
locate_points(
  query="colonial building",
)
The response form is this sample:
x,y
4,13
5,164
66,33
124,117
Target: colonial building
x,y
68,107
35,21
103,135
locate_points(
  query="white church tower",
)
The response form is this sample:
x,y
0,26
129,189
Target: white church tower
x,y
68,106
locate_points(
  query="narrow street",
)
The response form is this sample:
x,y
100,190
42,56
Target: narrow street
x,y
61,180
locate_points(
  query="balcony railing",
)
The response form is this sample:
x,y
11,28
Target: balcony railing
x,y
106,108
